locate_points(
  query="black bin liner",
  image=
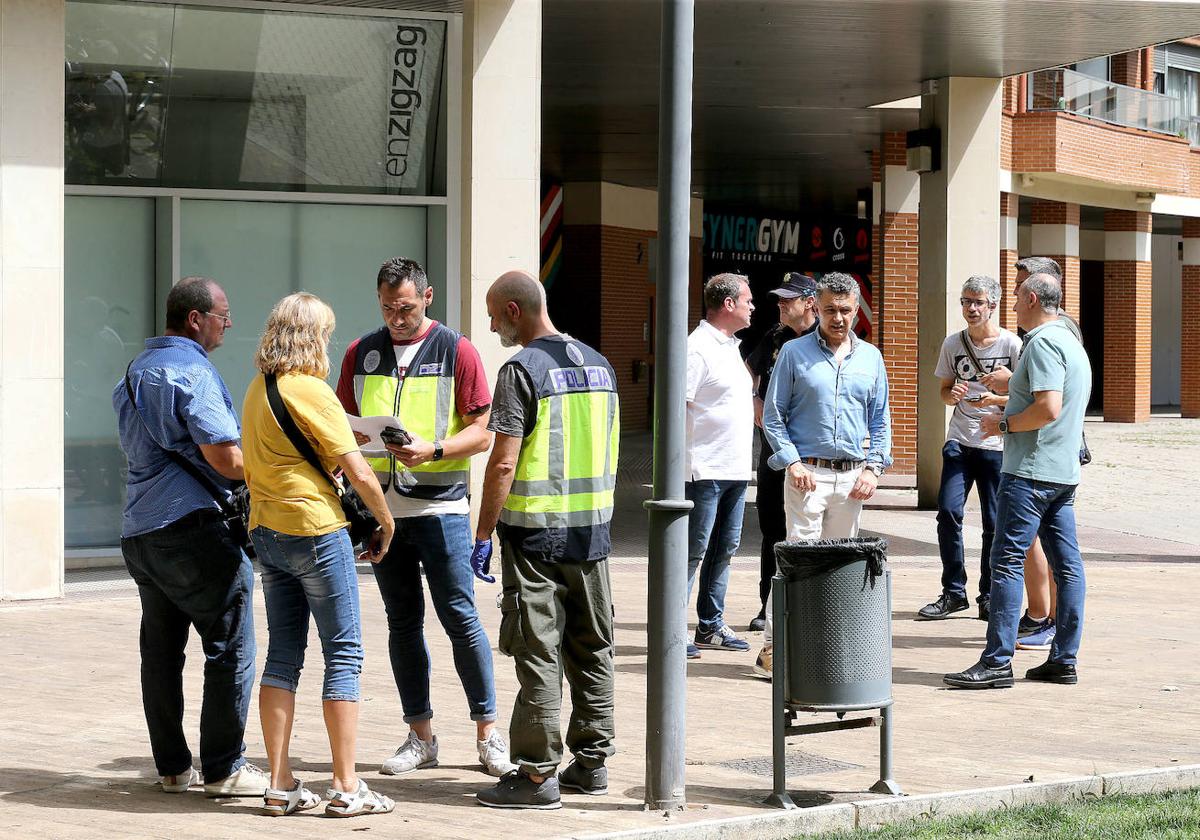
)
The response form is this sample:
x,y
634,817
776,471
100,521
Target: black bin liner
x,y
805,559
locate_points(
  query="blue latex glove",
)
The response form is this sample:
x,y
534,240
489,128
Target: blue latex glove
x,y
481,560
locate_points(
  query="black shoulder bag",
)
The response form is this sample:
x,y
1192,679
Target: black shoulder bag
x,y
235,509
362,521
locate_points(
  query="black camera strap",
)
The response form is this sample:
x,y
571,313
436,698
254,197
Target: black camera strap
x,y
284,418
221,496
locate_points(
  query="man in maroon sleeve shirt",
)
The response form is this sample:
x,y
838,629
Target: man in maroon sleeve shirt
x,y
409,369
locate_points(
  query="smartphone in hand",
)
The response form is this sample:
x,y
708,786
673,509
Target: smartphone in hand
x,y
395,436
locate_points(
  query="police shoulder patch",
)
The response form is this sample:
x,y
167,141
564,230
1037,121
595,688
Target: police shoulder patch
x,y
574,353
371,361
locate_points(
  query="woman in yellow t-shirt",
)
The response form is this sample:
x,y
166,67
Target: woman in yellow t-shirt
x,y
304,548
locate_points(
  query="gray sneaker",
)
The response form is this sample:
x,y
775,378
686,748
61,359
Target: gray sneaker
x,y
516,790
592,781
247,780
413,754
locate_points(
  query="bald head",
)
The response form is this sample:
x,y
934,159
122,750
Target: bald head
x,y
516,304
522,288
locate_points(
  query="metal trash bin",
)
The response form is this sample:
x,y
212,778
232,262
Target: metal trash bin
x,y
832,637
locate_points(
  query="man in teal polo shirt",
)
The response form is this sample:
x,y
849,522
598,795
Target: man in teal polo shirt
x,y
1042,425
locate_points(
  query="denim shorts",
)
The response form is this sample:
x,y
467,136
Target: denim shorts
x,y
303,575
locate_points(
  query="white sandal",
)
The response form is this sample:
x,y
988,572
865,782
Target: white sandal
x,y
360,802
299,798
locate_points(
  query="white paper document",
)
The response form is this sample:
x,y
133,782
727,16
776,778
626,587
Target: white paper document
x,y
372,426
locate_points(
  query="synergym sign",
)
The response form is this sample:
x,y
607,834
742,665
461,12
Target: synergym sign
x,y
819,244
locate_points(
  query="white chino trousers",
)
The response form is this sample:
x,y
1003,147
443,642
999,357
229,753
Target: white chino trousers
x,y
825,513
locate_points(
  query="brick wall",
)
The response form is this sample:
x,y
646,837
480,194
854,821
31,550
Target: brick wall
x,y
1007,275
1189,386
899,326
624,313
602,297
1127,314
877,278
1062,213
1126,68
1052,141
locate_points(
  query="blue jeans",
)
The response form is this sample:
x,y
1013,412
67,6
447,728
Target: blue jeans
x,y
303,575
442,546
714,531
963,466
1027,509
192,574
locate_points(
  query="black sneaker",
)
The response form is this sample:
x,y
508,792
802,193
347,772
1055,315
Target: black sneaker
x,y
758,623
985,607
1028,625
516,790
1053,672
981,676
944,607
720,639
592,781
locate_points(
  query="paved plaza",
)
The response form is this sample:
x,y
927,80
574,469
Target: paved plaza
x,y
74,758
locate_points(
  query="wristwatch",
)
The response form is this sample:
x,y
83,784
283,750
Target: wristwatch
x,y
437,450
1004,426
877,469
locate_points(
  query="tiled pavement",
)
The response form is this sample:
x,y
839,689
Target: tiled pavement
x,y
74,760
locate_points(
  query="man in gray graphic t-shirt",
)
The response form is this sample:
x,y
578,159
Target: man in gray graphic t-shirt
x,y
968,458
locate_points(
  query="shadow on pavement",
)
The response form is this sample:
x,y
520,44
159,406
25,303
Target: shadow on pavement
x,y
74,791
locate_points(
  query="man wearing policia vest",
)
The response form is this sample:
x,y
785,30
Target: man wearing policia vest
x,y
549,484
432,379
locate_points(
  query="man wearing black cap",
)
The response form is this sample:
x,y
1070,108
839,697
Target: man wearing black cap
x,y
797,316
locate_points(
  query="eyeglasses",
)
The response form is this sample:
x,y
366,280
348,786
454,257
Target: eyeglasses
x,y
226,317
972,303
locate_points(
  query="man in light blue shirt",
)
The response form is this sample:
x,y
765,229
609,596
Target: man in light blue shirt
x,y
1042,426
827,422
826,418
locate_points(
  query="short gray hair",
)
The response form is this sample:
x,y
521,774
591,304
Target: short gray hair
x,y
1039,265
982,284
1047,288
838,284
723,286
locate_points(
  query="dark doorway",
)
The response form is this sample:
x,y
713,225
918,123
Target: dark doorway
x,y
1091,313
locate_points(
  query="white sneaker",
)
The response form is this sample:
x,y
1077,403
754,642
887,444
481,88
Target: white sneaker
x,y
413,754
180,783
247,780
493,755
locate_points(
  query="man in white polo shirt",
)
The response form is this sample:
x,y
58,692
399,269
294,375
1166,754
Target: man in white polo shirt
x,y
720,429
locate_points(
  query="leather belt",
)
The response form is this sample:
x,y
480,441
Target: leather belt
x,y
832,464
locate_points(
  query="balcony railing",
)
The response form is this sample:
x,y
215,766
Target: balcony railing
x,y
1066,90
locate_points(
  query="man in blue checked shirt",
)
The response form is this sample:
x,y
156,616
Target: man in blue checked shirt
x,y
189,570
826,418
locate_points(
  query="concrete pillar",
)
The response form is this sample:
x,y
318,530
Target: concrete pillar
x,y
1009,254
501,154
32,42
1055,234
1127,308
960,226
501,161
897,297
1189,384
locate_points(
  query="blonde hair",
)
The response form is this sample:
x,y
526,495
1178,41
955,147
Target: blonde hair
x,y
296,337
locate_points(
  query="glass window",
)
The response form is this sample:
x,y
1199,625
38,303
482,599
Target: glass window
x,y
228,98
109,268
262,251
